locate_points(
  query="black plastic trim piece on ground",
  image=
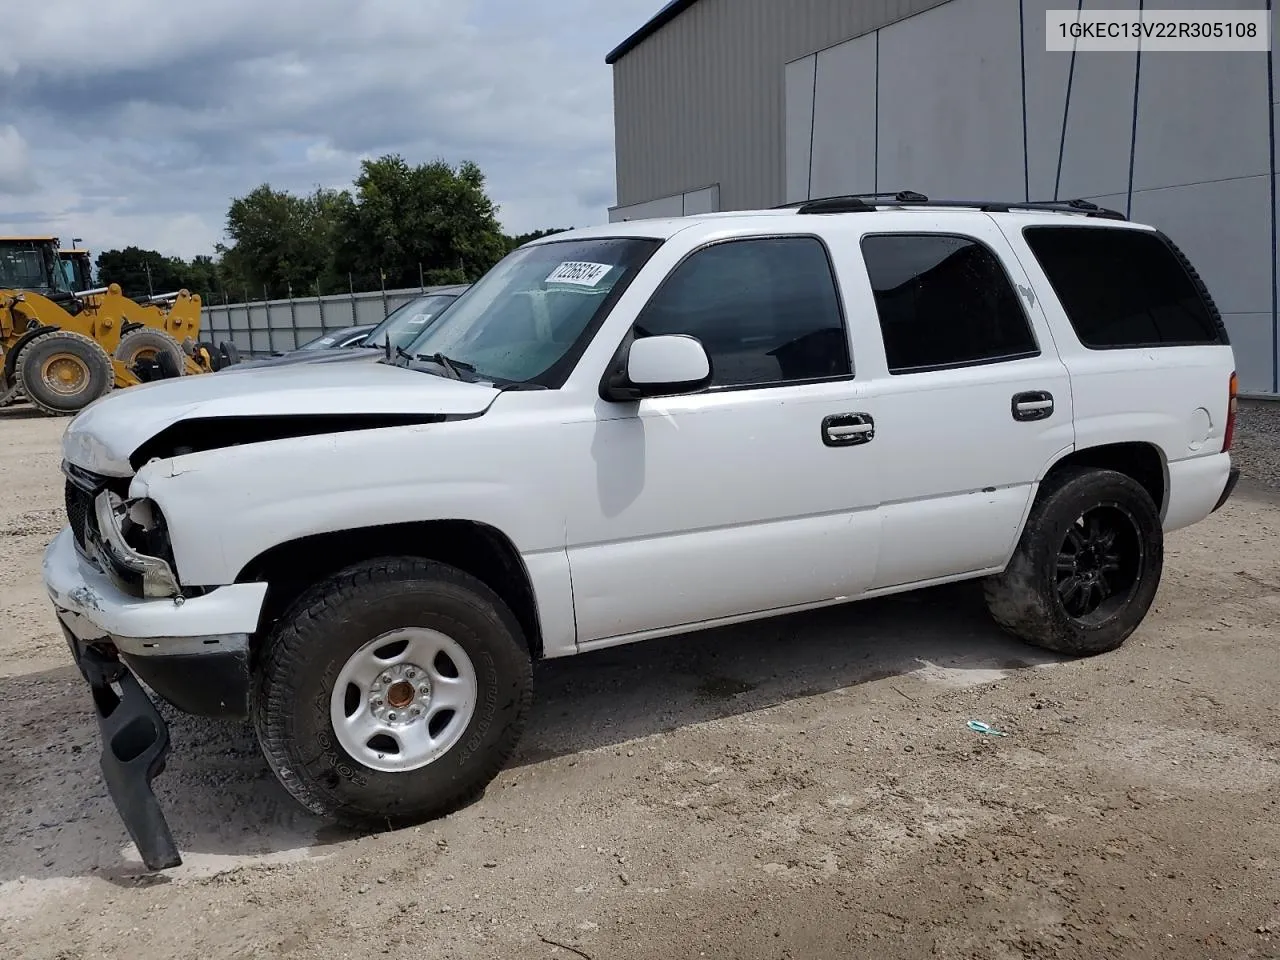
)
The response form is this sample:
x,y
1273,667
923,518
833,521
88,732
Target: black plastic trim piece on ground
x,y
1232,479
135,744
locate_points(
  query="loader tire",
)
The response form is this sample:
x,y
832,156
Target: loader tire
x,y
206,354
148,343
62,372
170,369
10,392
230,353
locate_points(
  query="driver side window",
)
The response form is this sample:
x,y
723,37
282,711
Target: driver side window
x,y
766,310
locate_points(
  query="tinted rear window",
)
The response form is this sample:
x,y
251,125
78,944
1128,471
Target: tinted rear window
x,y
944,301
1123,288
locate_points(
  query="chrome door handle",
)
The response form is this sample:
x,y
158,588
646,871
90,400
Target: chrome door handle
x,y
848,429
1032,405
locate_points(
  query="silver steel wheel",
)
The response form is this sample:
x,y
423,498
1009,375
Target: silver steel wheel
x,y
403,699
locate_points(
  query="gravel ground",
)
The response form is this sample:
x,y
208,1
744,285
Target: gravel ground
x,y
805,787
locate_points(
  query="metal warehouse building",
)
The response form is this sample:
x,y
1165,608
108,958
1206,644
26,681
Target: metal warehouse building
x,y
734,104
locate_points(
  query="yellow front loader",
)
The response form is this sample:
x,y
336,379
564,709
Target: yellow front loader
x,y
172,318
63,348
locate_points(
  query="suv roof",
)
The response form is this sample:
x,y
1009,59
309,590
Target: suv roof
x,y
903,202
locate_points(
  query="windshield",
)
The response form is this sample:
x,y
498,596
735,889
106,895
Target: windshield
x,y
523,319
406,323
31,266
320,342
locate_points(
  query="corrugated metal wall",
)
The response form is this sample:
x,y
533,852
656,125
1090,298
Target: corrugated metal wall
x,y
712,81
965,101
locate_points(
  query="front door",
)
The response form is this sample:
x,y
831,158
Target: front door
x,y
732,501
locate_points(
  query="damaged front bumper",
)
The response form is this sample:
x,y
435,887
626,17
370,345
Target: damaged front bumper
x,y
192,652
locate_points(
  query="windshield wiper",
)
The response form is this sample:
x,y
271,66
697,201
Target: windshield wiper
x,y
452,367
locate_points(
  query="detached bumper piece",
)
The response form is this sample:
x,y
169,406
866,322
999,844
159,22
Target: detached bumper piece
x,y
1232,479
135,744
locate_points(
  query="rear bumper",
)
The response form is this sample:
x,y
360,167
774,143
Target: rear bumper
x,y
1196,484
1232,479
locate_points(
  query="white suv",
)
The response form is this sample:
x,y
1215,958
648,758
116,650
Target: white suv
x,y
628,431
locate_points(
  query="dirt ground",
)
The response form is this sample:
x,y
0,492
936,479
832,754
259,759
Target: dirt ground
x,y
801,788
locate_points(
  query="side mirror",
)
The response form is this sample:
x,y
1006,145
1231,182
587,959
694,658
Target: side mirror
x,y
660,366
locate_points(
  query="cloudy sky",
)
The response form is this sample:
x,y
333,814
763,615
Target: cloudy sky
x,y
136,121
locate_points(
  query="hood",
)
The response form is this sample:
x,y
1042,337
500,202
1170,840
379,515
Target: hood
x,y
107,432
337,355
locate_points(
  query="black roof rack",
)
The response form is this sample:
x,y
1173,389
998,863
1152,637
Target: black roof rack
x,y
855,201
867,202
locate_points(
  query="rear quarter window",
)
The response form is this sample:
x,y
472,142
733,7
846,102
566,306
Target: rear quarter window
x,y
1125,288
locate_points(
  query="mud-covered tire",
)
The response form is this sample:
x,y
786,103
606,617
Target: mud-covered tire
x,y
294,708
1030,598
230,354
44,358
149,343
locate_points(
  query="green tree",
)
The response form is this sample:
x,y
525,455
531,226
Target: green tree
x,y
281,241
521,239
202,276
431,218
141,272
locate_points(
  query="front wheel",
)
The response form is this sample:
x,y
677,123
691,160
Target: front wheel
x,y
392,693
1087,566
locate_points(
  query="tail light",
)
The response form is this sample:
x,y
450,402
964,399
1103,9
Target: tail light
x,y
1230,432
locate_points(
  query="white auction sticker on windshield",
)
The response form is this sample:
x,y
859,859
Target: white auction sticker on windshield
x,y
580,273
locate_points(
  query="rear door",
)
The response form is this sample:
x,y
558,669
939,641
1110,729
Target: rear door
x,y
970,398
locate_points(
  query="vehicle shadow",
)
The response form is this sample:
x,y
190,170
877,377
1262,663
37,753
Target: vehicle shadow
x,y
606,698
22,411
225,807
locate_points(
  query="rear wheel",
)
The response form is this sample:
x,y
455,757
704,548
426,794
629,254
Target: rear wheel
x,y
230,354
1087,567
392,693
148,343
62,372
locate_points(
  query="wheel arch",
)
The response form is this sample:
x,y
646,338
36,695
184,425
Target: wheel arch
x,y
1145,462
11,355
476,548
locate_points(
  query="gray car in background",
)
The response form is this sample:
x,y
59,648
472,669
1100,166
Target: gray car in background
x,y
401,327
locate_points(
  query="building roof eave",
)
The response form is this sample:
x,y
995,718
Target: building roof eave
x,y
654,24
